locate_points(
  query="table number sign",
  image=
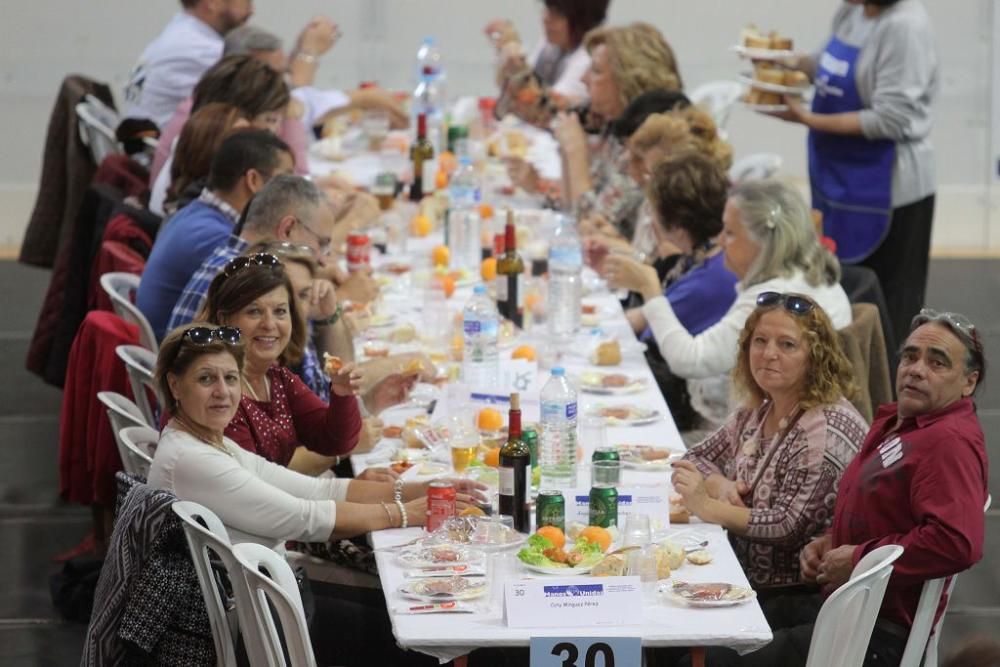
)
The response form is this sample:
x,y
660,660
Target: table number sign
x,y
586,652
561,602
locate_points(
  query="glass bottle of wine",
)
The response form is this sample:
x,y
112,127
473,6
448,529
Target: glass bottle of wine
x,y
422,159
515,471
510,277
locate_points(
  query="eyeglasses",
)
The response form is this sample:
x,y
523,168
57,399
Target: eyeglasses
x,y
202,336
257,259
324,242
954,320
796,305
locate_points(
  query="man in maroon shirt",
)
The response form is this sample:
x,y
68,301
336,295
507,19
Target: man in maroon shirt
x,y
919,481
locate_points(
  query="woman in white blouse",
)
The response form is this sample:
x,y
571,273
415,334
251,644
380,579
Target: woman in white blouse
x,y
198,373
771,245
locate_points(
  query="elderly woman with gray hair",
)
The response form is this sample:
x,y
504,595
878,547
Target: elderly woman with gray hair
x,y
770,244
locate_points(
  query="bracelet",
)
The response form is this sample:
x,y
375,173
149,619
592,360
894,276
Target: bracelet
x,y
307,57
387,513
402,514
397,490
333,319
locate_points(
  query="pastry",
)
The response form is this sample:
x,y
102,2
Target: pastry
x,y
679,514
700,557
608,353
332,364
795,79
770,75
757,42
780,43
611,566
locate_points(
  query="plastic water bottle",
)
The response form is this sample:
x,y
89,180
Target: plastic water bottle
x,y
480,331
565,284
557,443
429,100
428,58
463,216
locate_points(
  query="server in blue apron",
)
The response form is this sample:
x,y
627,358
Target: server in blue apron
x,y
871,163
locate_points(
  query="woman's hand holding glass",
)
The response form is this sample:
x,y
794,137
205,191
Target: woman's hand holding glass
x,y
623,272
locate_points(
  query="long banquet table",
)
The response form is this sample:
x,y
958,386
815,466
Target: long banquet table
x,y
661,624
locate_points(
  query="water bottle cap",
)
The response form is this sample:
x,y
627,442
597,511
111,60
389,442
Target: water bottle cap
x,y
429,40
558,372
479,289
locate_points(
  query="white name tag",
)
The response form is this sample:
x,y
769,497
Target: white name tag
x,y
652,501
558,602
586,651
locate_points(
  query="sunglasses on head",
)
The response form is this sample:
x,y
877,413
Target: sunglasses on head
x,y
955,320
205,335
258,259
794,304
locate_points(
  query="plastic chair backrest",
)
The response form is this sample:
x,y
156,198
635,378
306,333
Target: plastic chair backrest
x,y
139,444
277,587
97,123
755,167
215,537
140,364
922,644
845,622
717,98
120,287
122,413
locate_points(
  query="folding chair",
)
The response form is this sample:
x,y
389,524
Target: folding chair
x,y
120,287
278,590
846,620
138,444
141,364
97,124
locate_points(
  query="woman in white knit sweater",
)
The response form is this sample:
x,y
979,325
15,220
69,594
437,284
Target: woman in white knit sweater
x,y
770,244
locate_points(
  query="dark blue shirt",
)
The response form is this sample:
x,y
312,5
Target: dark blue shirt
x,y
701,296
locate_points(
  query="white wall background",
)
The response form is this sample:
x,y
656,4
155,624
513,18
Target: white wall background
x,y
45,39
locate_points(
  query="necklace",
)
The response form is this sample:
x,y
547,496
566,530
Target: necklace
x,y
267,388
752,445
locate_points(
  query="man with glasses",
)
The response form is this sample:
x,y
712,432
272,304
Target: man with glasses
x,y
244,164
919,481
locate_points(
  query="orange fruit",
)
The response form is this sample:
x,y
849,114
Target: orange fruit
x,y
492,457
531,301
553,535
421,225
441,255
448,162
472,510
596,535
447,283
525,352
488,269
441,179
489,420
485,211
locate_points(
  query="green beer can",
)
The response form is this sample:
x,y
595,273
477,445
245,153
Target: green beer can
x,y
530,437
603,506
550,510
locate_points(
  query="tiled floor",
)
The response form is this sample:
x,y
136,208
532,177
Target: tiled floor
x,y
35,525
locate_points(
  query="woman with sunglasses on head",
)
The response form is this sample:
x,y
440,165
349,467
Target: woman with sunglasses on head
x,y
199,372
769,475
769,242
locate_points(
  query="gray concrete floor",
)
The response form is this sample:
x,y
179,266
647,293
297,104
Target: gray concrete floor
x,y
35,525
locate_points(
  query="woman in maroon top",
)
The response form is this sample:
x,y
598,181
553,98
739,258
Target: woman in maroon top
x,y
279,417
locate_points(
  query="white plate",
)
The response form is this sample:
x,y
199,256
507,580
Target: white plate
x,y
423,556
744,594
773,87
558,571
417,590
590,382
381,320
640,418
766,108
638,463
761,54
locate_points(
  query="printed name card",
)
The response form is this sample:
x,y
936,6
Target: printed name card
x,y
652,501
559,602
586,652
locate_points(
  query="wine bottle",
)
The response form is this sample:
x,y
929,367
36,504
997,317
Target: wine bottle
x,y
422,158
515,471
510,277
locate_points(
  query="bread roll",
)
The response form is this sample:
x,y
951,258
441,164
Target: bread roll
x,y
757,42
771,99
779,43
608,353
672,553
796,79
700,557
769,75
611,566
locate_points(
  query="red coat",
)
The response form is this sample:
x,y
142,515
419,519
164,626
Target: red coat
x,y
922,487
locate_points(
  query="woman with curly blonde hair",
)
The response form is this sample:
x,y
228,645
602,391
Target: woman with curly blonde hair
x,y
626,62
769,475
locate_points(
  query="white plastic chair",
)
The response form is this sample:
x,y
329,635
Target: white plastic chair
x,y
122,413
120,288
717,98
844,625
139,445
278,588
755,167
922,644
140,364
215,537
97,123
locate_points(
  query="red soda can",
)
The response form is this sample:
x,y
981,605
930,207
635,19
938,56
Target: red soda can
x,y
440,504
359,251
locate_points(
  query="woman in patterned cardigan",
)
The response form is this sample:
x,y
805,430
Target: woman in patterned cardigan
x,y
769,475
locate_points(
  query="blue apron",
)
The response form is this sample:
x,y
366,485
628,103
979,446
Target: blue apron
x,y
851,177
